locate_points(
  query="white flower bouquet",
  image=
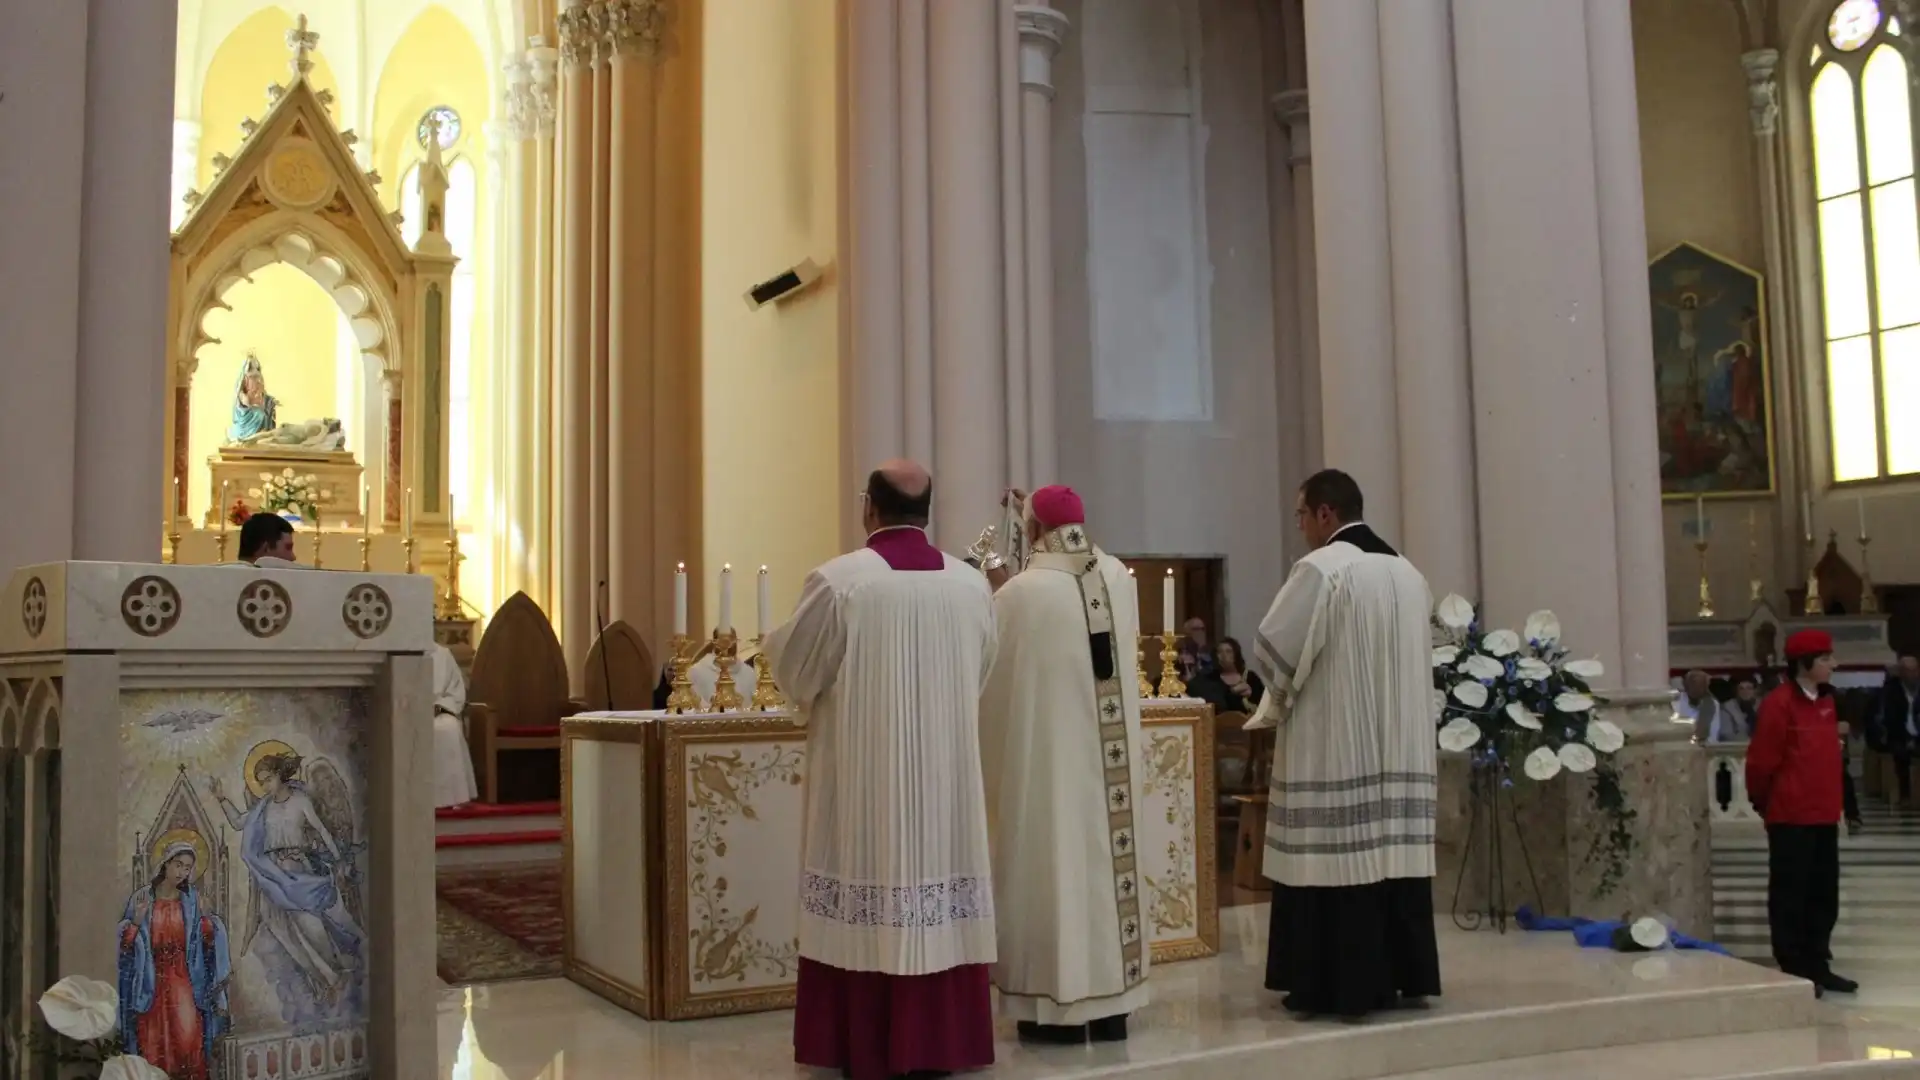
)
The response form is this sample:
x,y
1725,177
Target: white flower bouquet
x,y
85,1016
288,491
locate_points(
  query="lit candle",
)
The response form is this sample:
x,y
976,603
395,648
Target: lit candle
x,y
223,508
173,508
1806,515
680,600
406,514
765,602
1860,504
1699,517
725,624
1166,602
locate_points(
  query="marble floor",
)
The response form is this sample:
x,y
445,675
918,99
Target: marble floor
x,y
1517,1005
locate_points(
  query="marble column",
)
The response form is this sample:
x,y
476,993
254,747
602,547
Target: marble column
x,y
1042,30
1763,115
1291,110
393,497
969,393
1429,296
1358,397
1013,246
915,147
631,359
543,539
572,614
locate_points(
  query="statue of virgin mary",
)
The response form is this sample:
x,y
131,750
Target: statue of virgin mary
x,y
254,410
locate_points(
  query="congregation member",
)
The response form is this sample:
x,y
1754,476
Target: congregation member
x,y
1346,651
884,659
453,783
267,540
1743,707
1196,656
1794,771
1230,687
1899,723
1060,748
1696,702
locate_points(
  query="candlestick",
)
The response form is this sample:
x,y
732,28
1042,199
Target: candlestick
x,y
680,600
366,555
406,545
1869,600
766,696
316,540
1166,603
726,698
1812,605
1756,591
173,545
1170,684
725,623
1146,684
220,548
1706,592
450,603
763,601
681,699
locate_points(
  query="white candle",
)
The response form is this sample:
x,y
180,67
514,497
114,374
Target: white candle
x,y
223,508
725,623
1861,504
765,603
406,515
366,511
1166,602
1806,515
1699,517
680,600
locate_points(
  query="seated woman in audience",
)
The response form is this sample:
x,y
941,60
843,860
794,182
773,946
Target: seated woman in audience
x,y
1229,687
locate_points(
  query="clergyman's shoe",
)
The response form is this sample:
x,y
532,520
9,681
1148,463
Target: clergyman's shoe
x,y
1108,1029
1052,1034
1836,984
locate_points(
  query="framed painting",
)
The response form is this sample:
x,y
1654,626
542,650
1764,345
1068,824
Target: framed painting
x,y
1711,375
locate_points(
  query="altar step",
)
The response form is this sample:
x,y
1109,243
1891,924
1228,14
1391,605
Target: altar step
x,y
1831,1050
483,834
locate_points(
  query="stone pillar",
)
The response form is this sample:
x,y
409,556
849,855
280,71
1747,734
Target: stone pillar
x,y
393,496
1008,75
1042,30
969,395
538,170
1429,296
1290,109
1763,114
573,614
916,230
1358,397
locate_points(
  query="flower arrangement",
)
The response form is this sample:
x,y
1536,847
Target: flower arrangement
x,y
85,1016
290,491
239,512
1501,696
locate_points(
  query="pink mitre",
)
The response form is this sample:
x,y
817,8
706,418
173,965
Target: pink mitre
x,y
1056,505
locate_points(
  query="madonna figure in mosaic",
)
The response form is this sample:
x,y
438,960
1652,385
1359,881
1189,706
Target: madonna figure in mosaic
x,y
173,966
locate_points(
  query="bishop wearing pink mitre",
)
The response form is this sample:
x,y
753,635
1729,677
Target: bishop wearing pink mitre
x,y
884,659
1060,740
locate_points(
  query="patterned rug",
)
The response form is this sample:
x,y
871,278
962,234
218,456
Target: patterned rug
x,y
499,923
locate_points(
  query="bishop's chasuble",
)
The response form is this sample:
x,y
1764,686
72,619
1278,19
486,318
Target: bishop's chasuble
x,y
1346,650
1060,741
884,659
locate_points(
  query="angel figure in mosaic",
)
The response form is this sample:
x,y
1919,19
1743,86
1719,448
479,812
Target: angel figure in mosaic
x,y
296,841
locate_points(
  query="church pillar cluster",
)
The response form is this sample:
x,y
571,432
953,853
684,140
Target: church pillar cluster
x,y
948,328
82,417
626,375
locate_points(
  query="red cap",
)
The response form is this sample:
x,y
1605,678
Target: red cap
x,y
1057,505
1805,643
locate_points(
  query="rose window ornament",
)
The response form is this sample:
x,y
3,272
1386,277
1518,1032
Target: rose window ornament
x,y
264,608
368,611
33,607
1853,23
150,605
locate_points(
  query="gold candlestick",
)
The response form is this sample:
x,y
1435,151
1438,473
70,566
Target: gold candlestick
x,y
316,542
681,700
1146,684
1756,591
1812,606
406,545
1706,591
726,697
1869,603
766,696
450,603
220,547
173,545
1170,684
366,557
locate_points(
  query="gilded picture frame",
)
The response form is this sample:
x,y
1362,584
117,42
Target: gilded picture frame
x,y
1713,378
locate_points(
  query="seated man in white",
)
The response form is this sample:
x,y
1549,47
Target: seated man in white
x,y
452,764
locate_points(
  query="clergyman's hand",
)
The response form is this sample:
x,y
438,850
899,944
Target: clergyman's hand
x,y
998,576
1013,497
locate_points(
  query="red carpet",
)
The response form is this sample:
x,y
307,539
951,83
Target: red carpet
x,y
500,923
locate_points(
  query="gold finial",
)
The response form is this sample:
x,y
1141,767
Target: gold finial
x,y
302,41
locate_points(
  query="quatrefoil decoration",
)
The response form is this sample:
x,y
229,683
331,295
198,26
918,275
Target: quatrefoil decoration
x,y
368,611
150,606
33,607
264,608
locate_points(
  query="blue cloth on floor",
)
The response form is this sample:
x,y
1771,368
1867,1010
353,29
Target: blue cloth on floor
x,y
1596,934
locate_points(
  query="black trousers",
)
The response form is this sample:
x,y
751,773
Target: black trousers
x,y
1803,896
1849,801
1902,770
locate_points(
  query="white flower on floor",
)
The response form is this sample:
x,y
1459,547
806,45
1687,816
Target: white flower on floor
x,y
1455,612
1543,627
1533,670
1543,764
1470,694
80,1008
1501,643
1649,933
1483,667
1577,757
128,1067
1585,669
1572,703
1444,655
1459,734
1605,736
1523,716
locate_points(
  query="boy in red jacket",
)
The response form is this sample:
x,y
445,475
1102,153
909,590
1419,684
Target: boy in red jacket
x,y
1793,776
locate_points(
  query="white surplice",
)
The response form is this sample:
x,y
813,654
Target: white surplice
x,y
1061,784
885,667
1346,650
452,763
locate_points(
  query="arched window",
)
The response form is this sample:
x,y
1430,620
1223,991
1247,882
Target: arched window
x,y
1861,108
463,223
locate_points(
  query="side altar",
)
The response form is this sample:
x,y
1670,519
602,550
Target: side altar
x,y
235,471
220,762
681,853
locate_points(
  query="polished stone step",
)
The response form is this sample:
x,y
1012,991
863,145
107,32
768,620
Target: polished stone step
x,y
1832,1050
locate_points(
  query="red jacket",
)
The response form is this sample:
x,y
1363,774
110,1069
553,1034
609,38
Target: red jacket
x,y
1794,761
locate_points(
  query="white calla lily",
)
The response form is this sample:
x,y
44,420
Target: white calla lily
x,y
1483,667
1572,703
1439,705
1542,764
128,1067
1444,655
1586,669
1577,757
1501,643
1470,694
1605,736
81,1008
1523,716
1459,734
1649,933
1455,612
1533,670
1544,627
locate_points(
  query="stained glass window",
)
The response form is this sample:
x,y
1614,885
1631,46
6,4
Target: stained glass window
x,y
449,125
1861,106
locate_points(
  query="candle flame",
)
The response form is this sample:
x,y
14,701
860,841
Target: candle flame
x,y
1169,571
726,568
763,568
681,568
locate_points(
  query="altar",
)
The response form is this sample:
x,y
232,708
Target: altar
x,y
235,472
681,848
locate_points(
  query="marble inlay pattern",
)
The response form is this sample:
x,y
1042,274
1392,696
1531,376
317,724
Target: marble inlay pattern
x,y
368,611
33,607
264,608
150,606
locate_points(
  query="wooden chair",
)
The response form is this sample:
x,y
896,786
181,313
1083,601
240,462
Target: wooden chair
x,y
620,672
518,694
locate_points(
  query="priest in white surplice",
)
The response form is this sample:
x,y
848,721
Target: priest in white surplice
x,y
884,659
1059,740
452,761
1345,650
